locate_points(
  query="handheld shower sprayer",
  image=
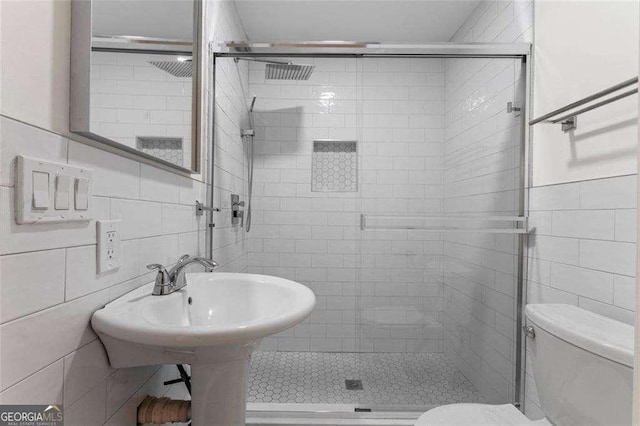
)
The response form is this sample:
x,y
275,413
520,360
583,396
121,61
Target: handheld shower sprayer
x,y
247,135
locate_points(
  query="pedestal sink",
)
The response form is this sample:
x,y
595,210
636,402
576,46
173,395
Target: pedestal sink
x,y
213,324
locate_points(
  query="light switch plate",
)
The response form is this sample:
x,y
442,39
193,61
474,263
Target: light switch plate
x,y
109,245
36,202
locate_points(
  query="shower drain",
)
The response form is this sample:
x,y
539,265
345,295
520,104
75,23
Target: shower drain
x,y
353,384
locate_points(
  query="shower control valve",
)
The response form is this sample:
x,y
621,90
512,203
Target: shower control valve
x,y
237,215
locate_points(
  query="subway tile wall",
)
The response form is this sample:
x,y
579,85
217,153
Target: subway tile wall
x,y
377,290
482,177
582,251
131,98
48,351
481,174
582,243
230,245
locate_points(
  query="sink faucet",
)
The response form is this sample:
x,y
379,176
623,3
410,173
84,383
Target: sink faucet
x,y
169,281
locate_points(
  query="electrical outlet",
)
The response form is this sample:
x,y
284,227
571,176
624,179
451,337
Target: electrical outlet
x,y
109,245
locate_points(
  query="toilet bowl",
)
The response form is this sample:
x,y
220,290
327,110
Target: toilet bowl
x,y
583,369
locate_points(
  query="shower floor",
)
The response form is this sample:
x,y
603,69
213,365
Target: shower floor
x,y
402,379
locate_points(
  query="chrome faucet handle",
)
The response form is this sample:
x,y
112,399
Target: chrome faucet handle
x,y
159,267
163,280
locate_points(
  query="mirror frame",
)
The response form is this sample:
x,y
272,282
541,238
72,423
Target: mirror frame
x,y
80,85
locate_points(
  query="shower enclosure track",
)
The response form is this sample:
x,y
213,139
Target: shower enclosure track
x,y
332,49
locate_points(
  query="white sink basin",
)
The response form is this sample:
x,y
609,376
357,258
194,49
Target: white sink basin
x,y
213,324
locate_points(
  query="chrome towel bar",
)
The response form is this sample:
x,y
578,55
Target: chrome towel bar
x,y
569,121
453,223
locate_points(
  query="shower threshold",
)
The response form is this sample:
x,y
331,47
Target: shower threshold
x,y
327,414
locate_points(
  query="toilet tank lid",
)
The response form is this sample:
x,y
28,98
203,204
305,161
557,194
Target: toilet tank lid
x,y
595,333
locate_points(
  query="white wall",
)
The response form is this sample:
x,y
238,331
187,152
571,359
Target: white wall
x,y
581,47
35,56
583,196
49,288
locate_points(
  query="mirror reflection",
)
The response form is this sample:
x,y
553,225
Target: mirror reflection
x,y
142,76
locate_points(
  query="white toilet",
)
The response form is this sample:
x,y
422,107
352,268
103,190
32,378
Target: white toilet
x,y
583,368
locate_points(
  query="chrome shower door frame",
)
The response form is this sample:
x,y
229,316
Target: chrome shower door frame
x,y
332,49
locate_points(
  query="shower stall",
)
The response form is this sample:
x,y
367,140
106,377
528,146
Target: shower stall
x,y
391,181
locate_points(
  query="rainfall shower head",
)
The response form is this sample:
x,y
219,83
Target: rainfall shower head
x,y
276,70
183,67
288,71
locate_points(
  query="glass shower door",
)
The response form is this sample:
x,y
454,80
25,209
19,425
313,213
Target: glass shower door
x,y
440,193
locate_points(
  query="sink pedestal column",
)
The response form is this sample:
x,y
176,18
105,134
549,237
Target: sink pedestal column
x,y
219,393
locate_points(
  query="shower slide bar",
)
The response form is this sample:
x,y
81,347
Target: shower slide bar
x,y
479,224
570,121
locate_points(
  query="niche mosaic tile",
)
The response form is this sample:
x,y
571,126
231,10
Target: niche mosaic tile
x,y
334,166
168,149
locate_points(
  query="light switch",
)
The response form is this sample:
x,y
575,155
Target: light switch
x,y
82,191
47,192
61,196
40,190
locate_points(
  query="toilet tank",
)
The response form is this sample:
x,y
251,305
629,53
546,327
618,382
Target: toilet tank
x,y
582,365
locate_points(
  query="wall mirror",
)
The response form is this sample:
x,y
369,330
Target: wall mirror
x,y
134,77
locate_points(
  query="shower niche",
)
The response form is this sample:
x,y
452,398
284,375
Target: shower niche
x,y
334,166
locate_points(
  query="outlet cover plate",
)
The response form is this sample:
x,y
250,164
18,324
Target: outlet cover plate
x,y
109,248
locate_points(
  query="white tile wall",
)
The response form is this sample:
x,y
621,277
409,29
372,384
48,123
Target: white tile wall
x,y
586,262
49,283
481,171
48,352
390,298
583,251
582,247
230,247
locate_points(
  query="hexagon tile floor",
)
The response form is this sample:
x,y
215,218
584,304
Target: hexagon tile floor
x,y
387,379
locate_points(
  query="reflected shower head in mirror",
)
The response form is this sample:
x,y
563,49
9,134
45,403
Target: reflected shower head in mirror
x,y
276,70
181,67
